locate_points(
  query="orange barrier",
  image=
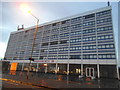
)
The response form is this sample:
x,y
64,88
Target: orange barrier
x,y
13,68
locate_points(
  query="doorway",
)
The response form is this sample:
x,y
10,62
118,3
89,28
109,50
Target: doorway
x,y
90,72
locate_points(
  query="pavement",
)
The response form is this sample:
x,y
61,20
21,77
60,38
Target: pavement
x,y
52,81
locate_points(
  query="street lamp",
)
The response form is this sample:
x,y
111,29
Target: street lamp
x,y
25,8
33,44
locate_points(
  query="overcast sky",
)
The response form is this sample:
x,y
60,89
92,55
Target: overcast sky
x,y
12,16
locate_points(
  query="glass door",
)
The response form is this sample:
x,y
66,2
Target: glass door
x,y
90,72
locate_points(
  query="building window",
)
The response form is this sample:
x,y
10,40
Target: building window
x,y
76,33
54,43
106,46
105,37
76,20
76,26
63,49
75,57
103,13
106,56
63,57
54,36
89,47
89,23
64,35
65,28
75,40
89,56
104,28
89,16
103,20
45,44
75,48
89,31
55,30
41,57
89,39
63,22
54,24
63,41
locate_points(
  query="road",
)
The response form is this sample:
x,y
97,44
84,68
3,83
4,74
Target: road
x,y
15,86
47,80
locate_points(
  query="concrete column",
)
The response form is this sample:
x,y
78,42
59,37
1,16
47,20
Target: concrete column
x,y
22,67
45,69
81,69
56,68
98,70
37,67
118,73
67,69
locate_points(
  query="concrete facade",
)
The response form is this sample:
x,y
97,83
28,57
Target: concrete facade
x,y
82,44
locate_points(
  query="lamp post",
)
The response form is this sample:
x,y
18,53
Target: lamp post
x,y
33,44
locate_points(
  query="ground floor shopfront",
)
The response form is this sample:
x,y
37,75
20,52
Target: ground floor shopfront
x,y
82,70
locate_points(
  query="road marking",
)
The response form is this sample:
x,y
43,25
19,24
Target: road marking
x,y
10,80
13,83
29,84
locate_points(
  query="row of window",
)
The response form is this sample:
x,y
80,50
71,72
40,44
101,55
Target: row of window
x,y
89,39
107,56
103,13
89,31
106,46
89,23
54,36
89,47
105,37
55,57
46,32
90,56
63,49
76,20
100,56
75,40
55,30
76,33
104,28
84,31
76,26
75,48
103,20
85,56
89,16
64,35
64,57
65,28
55,42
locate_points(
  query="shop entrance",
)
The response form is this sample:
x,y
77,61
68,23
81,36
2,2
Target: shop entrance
x,y
90,72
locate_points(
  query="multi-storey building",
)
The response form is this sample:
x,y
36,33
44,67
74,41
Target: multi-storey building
x,y
82,44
